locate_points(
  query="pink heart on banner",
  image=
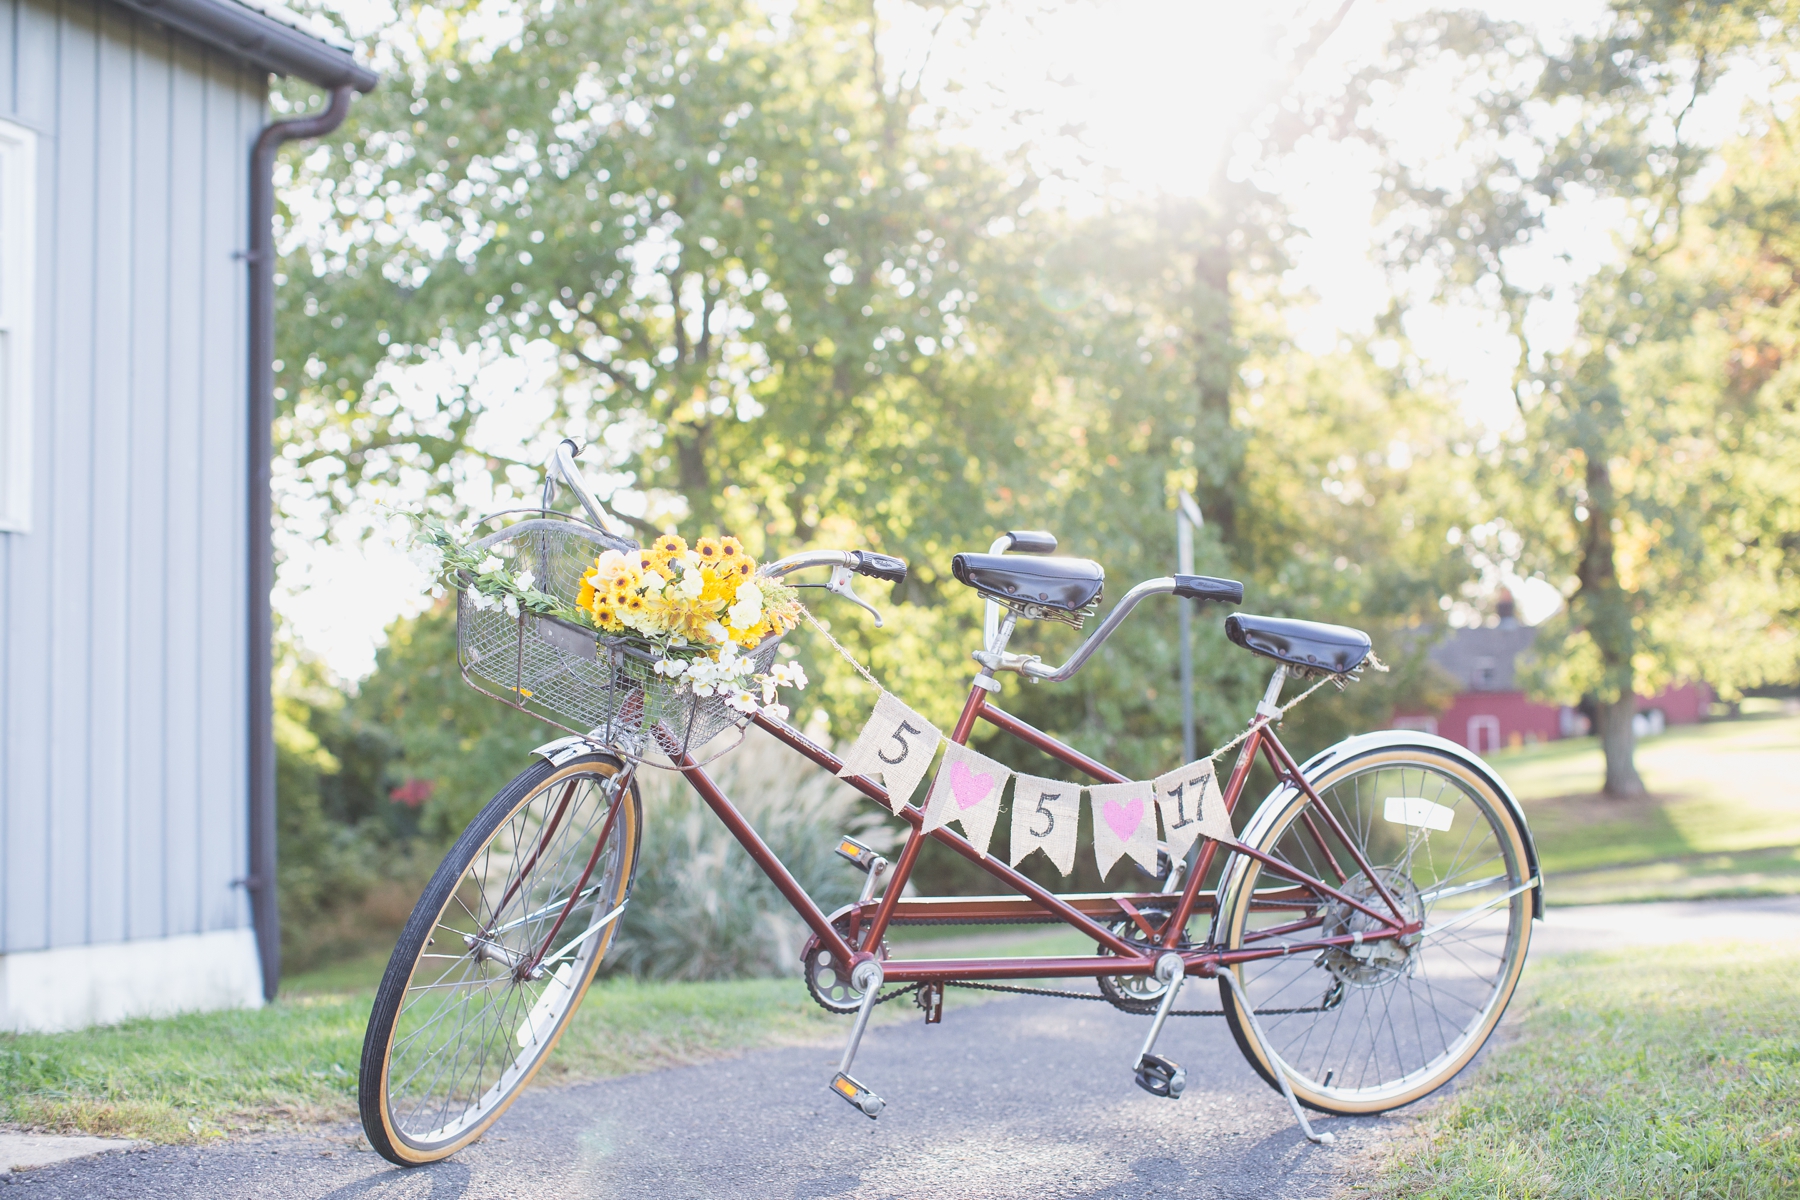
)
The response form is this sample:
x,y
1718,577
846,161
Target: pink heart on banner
x,y
970,787
1123,818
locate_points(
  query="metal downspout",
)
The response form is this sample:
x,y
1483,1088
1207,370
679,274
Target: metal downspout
x,y
261,257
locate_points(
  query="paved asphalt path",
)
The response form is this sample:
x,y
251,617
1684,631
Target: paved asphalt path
x,y
1021,1097
1016,1098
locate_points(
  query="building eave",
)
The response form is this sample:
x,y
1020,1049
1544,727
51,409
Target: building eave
x,y
260,39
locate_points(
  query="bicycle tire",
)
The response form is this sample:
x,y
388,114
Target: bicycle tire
x,y
543,828
1455,983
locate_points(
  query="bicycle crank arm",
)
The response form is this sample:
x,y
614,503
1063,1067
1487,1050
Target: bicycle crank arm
x,y
867,976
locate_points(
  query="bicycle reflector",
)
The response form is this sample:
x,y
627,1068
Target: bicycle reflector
x,y
865,1101
860,856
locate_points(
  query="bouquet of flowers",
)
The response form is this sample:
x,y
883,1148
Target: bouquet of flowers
x,y
700,607
696,611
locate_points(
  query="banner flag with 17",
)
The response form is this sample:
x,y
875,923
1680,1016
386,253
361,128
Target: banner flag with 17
x,y
1192,805
896,744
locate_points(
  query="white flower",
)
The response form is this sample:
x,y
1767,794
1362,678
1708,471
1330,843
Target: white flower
x,y
480,601
718,632
743,701
789,675
690,585
429,559
703,689
673,667
692,559
653,582
525,580
491,563
768,690
511,605
778,711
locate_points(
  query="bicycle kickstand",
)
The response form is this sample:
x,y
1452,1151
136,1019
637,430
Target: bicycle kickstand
x,y
867,977
1279,1067
1155,1074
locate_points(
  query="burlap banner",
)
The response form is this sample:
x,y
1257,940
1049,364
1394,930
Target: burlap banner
x,y
1124,823
1192,805
967,791
1044,816
897,744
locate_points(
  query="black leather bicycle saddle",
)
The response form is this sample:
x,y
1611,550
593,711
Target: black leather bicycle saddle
x,y
1309,645
1067,585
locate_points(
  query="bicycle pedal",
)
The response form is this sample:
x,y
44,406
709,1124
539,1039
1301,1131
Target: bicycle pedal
x,y
858,855
858,1096
1161,1076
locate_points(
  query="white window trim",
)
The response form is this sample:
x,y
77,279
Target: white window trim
x,y
18,303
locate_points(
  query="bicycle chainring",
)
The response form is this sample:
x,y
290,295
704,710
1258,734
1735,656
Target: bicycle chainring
x,y
1139,994
827,979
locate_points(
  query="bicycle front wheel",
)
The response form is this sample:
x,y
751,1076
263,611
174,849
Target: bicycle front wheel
x,y
497,956
1369,1026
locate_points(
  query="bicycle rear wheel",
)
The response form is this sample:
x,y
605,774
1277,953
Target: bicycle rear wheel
x,y
1367,1027
497,956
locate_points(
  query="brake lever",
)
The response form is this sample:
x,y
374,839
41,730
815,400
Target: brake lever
x,y
839,584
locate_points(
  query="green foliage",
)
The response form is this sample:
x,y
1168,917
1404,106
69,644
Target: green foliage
x,y
1628,1079
339,836
700,908
1619,487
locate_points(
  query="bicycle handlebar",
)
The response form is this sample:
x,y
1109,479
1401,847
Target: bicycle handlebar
x,y
863,562
1189,587
563,460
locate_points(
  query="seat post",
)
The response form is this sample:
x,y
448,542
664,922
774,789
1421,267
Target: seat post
x,y
1268,706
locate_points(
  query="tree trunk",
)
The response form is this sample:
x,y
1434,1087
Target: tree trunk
x,y
1605,611
1617,742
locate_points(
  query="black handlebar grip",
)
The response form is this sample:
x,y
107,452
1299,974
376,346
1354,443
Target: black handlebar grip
x,y
1032,541
878,566
1205,587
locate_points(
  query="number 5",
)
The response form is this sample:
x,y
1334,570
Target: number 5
x,y
1049,817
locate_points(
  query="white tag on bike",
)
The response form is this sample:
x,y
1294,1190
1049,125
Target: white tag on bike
x,y
1419,812
1044,817
1192,805
896,744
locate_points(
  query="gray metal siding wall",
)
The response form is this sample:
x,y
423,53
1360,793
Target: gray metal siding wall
x,y
123,775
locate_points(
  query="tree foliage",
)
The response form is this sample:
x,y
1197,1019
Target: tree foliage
x,y
1612,481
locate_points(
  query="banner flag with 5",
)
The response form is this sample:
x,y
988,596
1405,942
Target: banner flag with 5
x,y
1044,816
897,744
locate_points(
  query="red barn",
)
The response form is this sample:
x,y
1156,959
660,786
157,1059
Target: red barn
x,y
1490,710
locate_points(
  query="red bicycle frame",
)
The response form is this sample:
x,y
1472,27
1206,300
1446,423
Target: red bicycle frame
x,y
1091,913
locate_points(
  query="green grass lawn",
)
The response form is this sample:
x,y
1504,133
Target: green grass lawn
x,y
1635,1075
295,1061
1723,816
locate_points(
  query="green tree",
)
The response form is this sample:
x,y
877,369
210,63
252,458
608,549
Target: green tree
x,y
1599,482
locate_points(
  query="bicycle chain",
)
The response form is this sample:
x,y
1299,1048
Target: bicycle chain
x,y
1061,995
910,988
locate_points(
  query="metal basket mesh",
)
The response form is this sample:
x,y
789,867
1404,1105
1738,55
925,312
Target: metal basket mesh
x,y
558,672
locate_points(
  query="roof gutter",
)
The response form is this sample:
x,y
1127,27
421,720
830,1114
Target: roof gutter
x,y
262,259
258,38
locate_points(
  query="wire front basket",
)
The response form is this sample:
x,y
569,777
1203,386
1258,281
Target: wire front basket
x,y
561,673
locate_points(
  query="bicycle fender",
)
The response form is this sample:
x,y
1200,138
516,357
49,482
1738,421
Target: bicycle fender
x,y
1388,739
563,749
